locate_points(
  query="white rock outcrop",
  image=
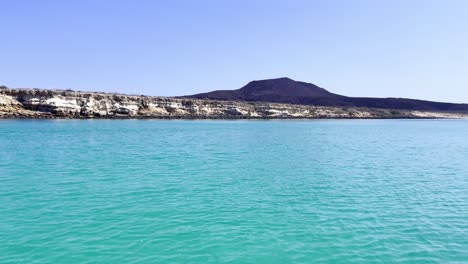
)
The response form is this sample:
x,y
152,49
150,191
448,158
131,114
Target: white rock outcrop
x,y
35,103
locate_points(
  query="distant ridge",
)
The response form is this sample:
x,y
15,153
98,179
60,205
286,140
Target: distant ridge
x,y
286,90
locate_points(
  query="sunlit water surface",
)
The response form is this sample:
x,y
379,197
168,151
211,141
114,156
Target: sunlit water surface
x,y
104,191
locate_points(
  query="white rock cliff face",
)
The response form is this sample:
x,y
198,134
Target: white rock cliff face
x,y
34,103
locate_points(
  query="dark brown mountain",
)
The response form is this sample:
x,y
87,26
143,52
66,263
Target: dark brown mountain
x,y
285,90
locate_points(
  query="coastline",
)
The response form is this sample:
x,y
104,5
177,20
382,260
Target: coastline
x,y
67,104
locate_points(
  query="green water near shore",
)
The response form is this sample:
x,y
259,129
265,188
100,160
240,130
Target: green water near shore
x,y
142,191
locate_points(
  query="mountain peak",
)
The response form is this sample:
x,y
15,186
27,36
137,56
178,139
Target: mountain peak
x,y
283,87
286,90
281,79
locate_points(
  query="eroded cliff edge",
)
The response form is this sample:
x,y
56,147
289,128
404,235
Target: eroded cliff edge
x,y
38,103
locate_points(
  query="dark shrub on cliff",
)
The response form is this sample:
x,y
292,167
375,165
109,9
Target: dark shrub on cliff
x,y
187,103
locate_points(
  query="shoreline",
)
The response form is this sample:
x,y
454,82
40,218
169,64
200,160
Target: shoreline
x,y
67,104
184,118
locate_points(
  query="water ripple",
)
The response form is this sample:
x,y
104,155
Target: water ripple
x,y
234,192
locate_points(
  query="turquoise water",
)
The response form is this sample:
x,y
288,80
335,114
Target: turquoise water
x,y
363,191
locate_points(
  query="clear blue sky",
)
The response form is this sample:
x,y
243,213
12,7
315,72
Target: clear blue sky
x,y
416,49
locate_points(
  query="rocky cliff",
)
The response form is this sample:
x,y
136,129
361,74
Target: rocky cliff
x,y
36,103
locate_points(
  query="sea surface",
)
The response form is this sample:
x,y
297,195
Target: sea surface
x,y
149,191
